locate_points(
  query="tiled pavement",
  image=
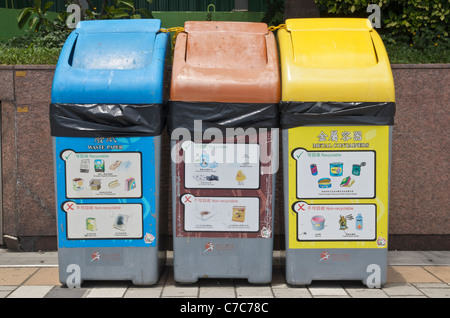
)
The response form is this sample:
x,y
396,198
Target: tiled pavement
x,y
410,275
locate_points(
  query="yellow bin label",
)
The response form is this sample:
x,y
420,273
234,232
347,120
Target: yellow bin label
x,y
338,186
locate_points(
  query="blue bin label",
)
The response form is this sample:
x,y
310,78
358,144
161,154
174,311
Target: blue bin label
x,y
106,191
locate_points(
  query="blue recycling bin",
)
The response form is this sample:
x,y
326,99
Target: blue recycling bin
x,y
106,118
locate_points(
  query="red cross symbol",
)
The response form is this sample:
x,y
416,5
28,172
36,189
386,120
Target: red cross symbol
x,y
187,199
69,206
300,207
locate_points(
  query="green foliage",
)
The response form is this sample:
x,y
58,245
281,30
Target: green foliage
x,y
275,12
402,53
416,23
347,7
41,38
44,38
31,55
36,16
40,30
120,9
414,31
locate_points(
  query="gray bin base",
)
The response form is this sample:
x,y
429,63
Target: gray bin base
x,y
366,265
249,258
141,265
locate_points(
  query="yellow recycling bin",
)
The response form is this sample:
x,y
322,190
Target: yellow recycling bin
x,y
337,113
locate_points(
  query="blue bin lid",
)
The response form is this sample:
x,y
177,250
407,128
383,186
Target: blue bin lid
x,y
119,26
112,61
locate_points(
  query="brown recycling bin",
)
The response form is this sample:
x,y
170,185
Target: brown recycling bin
x,y
223,124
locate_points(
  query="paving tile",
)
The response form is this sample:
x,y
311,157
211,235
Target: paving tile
x,y
401,289
216,288
431,285
217,292
436,257
65,292
30,292
28,258
4,293
436,292
6,290
216,282
410,274
290,292
15,276
144,292
254,291
366,293
418,296
173,289
325,288
441,272
336,291
107,292
332,296
180,291
44,276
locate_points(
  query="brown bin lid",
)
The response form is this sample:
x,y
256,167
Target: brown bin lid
x,y
225,62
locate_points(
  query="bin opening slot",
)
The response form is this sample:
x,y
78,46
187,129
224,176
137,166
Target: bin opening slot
x,y
70,61
374,47
112,50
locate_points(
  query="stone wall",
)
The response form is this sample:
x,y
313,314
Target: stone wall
x,y
419,204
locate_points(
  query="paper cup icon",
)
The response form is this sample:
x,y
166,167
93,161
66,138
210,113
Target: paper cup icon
x,y
318,222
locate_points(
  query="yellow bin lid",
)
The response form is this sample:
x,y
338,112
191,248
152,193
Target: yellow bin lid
x,y
333,60
225,62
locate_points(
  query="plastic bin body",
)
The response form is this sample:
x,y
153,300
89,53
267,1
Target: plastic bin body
x,y
107,186
336,167
223,213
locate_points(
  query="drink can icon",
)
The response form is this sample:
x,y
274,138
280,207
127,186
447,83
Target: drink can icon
x,y
313,169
